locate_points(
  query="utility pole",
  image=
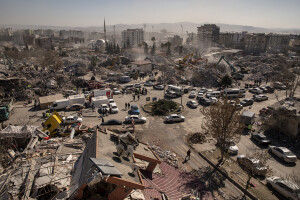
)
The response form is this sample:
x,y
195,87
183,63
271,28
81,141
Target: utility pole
x,y
181,95
104,31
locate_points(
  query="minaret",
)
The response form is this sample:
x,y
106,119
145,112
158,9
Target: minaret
x,y
104,31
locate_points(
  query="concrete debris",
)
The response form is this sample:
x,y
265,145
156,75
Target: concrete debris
x,y
166,156
196,138
137,195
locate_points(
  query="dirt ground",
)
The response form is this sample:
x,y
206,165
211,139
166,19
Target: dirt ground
x,y
167,136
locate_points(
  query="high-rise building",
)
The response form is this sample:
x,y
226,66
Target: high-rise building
x,y
208,34
132,37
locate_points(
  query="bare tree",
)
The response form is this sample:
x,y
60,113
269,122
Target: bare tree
x,y
223,122
294,177
50,58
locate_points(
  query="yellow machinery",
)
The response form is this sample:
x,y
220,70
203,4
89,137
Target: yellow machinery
x,y
53,124
186,59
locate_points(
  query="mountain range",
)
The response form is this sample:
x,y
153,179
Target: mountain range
x,y
170,27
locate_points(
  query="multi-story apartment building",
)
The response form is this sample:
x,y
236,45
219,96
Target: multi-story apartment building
x,y
277,42
208,35
175,41
234,40
255,43
132,37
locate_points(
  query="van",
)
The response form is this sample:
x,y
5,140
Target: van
x,y
60,104
216,94
176,89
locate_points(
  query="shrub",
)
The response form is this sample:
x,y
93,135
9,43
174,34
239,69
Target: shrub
x,y
162,107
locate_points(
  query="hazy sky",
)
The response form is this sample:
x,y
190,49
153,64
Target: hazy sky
x,y
261,13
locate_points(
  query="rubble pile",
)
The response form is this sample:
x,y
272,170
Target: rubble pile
x,y
196,138
166,156
208,76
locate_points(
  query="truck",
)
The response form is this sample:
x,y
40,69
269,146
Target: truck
x,y
6,108
103,92
63,103
98,101
77,99
60,104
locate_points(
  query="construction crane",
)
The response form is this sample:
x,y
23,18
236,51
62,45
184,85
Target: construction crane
x,y
234,73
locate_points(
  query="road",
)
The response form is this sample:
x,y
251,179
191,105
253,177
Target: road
x,y
169,136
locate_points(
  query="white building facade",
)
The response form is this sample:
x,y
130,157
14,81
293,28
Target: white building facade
x,y
132,37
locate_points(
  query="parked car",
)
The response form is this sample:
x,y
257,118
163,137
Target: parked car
x,y
283,153
264,89
202,90
243,90
72,119
238,105
158,87
136,118
104,107
213,100
270,89
200,95
260,138
279,85
75,107
260,97
286,188
175,118
247,102
112,122
116,91
204,102
148,84
134,110
171,94
255,91
192,94
264,111
192,104
113,108
252,165
185,90
231,148
111,101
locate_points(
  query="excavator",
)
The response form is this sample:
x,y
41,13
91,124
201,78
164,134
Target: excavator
x,y
234,73
186,58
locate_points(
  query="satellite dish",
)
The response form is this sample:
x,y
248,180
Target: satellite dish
x,y
134,168
120,149
129,151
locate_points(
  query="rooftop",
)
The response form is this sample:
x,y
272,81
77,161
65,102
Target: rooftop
x,y
107,150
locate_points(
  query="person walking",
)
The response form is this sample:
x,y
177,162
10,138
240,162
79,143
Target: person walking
x,y
138,97
102,119
126,106
188,155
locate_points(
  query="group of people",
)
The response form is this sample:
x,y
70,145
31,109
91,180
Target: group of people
x,y
138,92
127,106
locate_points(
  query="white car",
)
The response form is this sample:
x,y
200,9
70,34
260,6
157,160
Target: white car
x,y
192,104
255,91
232,148
104,107
283,153
213,100
72,119
113,108
192,94
261,97
136,119
175,118
111,101
116,91
286,188
255,166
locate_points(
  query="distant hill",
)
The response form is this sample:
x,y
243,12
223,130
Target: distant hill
x,y
170,27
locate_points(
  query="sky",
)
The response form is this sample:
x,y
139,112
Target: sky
x,y
84,13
